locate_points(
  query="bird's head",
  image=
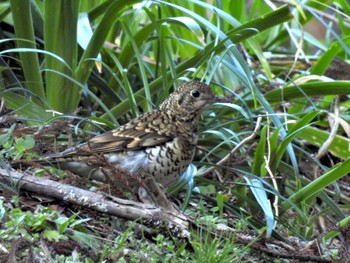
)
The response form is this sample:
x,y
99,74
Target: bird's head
x,y
189,100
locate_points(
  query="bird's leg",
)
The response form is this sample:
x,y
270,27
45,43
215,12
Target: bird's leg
x,y
156,193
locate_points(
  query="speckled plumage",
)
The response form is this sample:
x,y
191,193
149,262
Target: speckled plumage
x,y
162,141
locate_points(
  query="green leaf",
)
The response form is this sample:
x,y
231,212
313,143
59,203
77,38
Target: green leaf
x,y
22,19
259,193
292,133
62,94
317,137
25,143
220,200
259,160
309,89
235,35
25,107
86,63
314,187
52,235
326,58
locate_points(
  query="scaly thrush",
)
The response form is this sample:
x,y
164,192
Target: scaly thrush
x,y
161,142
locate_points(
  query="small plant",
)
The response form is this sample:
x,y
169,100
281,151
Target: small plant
x,y
14,148
209,248
43,220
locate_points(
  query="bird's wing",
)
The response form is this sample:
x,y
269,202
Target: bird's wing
x,y
127,139
135,135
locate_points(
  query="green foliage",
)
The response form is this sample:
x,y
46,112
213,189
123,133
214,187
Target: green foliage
x,y
218,250
29,225
14,148
64,69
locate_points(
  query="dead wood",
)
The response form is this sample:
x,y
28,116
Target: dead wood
x,y
174,220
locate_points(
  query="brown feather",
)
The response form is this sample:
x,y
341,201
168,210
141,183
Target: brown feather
x,y
135,135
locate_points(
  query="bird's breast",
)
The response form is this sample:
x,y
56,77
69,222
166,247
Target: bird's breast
x,y
167,162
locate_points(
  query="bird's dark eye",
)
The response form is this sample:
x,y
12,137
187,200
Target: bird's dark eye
x,y
195,93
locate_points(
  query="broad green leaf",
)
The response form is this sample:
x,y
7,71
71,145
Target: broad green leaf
x,y
309,89
57,15
325,60
25,107
23,24
24,143
313,188
339,146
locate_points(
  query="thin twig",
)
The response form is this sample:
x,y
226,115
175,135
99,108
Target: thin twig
x,y
334,124
228,156
269,171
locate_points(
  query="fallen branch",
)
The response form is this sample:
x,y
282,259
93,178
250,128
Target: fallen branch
x,y
130,210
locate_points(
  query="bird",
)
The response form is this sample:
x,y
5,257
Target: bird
x,y
161,142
